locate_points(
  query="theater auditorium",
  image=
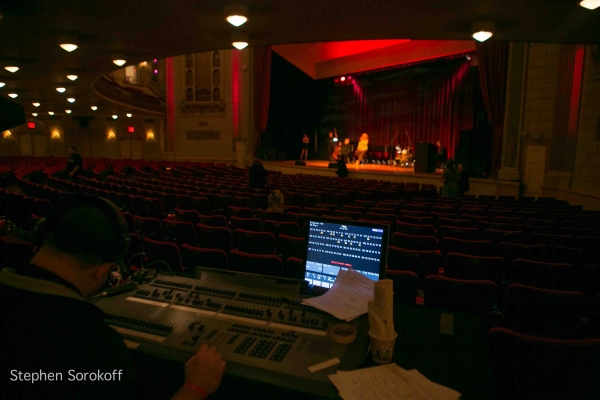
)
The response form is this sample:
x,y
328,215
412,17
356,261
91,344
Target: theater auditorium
x,y
180,181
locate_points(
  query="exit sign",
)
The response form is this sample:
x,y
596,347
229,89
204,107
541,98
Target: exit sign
x,y
130,129
31,125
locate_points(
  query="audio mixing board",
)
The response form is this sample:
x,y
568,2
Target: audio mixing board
x,y
258,324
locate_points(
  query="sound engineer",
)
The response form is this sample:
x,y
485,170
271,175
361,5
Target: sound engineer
x,y
54,344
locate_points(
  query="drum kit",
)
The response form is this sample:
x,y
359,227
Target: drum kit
x,y
404,157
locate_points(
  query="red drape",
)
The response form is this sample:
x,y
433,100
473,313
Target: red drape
x,y
422,103
493,60
262,88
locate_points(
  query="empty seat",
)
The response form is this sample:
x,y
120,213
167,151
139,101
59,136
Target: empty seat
x,y
498,236
213,237
458,233
179,232
149,228
470,247
552,276
574,256
416,229
462,266
543,312
405,286
213,220
193,257
472,296
414,242
512,251
533,367
162,254
550,240
241,212
248,224
277,228
262,264
290,246
294,268
423,263
460,223
253,242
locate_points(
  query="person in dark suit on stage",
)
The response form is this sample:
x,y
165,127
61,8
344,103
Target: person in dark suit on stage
x,y
442,155
305,142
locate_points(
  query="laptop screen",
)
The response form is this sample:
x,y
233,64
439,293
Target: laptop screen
x,y
332,245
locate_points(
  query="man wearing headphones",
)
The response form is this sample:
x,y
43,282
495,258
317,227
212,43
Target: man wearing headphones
x,y
54,343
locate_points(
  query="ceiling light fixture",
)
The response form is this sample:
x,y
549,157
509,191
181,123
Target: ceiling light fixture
x,y
114,116
119,62
590,4
50,113
68,47
61,89
94,108
11,68
118,59
71,100
236,14
34,114
2,84
482,31
129,115
239,40
13,95
36,104
72,77
68,111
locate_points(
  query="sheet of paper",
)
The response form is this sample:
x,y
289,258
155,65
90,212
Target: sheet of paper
x,y
348,297
389,382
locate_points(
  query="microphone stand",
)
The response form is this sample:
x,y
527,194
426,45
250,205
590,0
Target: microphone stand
x,y
392,146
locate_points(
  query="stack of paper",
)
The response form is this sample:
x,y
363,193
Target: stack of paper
x,y
381,310
389,382
348,297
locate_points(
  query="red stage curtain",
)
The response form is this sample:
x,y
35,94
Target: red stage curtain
x,y
422,103
262,89
493,60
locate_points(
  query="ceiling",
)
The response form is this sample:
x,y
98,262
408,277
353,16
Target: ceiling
x,y
147,29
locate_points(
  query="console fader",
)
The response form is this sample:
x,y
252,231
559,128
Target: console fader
x,y
257,323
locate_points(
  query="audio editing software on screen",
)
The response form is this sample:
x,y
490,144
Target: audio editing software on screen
x,y
332,246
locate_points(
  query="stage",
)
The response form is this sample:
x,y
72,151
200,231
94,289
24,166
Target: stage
x,y
390,173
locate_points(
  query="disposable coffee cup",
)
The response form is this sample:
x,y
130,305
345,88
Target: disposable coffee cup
x,y
382,350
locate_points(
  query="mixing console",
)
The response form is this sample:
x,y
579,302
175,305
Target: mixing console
x,y
254,328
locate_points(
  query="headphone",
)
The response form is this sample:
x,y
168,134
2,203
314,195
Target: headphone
x,y
116,249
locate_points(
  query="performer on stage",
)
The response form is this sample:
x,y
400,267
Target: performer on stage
x,y
363,146
346,150
331,146
442,155
305,142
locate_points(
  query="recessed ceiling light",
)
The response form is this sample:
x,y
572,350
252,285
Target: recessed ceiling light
x,y
71,100
590,4
2,84
68,47
119,61
61,89
72,77
482,31
68,111
36,104
50,113
129,115
11,68
34,114
236,14
94,108
13,95
240,45
115,116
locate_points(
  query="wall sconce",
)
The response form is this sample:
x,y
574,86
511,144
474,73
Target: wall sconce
x,y
6,134
149,135
55,134
111,134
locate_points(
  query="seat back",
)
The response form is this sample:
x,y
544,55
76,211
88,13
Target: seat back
x,y
213,237
406,286
254,242
263,264
193,257
291,246
248,224
463,266
423,263
545,275
180,232
512,251
161,253
277,228
472,296
414,242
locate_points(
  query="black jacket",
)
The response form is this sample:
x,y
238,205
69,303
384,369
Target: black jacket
x,y
47,327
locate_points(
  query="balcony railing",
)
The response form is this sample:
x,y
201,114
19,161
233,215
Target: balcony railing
x,y
133,95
